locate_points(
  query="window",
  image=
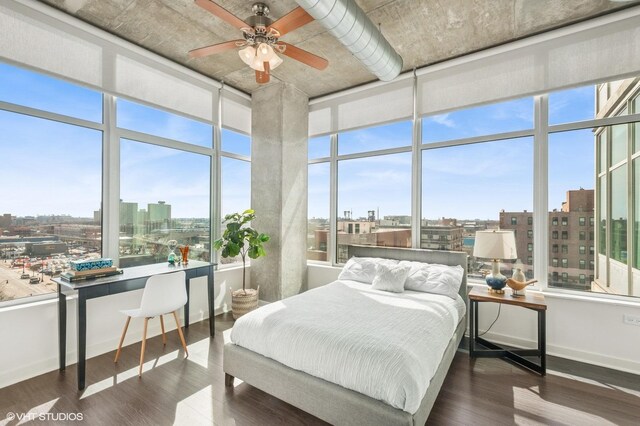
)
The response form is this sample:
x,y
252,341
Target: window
x,y
565,249
618,231
529,247
554,221
514,220
572,105
554,248
530,233
582,235
582,221
582,263
320,147
48,217
565,263
374,192
483,120
530,220
235,142
582,250
529,260
393,135
451,196
22,87
554,235
565,277
565,235
591,265
554,262
236,192
157,122
591,251
152,213
591,222
318,235
565,221
582,279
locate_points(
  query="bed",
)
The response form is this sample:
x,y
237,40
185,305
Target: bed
x,y
336,403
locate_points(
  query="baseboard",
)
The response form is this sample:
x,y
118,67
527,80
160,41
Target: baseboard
x,y
613,363
8,378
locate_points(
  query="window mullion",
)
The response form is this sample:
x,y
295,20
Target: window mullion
x,y
540,189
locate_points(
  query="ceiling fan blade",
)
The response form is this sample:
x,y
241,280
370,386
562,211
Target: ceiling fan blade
x,y
262,77
222,13
214,48
303,56
292,20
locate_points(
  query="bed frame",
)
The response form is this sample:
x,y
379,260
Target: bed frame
x,y
331,402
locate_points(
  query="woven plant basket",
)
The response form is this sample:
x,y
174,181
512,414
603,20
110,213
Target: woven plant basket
x,y
243,301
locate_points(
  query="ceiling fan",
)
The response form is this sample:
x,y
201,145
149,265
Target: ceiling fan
x,y
261,39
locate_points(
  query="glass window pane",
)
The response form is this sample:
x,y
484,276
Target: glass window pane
x,y
571,183
320,147
636,212
457,183
154,206
236,143
49,201
602,214
157,122
374,138
375,194
618,143
571,105
619,214
484,120
236,193
318,238
35,90
602,147
636,126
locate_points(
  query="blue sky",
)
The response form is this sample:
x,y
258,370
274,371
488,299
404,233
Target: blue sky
x,y
55,168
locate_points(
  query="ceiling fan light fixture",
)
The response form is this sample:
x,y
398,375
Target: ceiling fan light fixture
x,y
257,64
275,62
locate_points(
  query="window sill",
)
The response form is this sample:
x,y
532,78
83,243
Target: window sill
x,y
25,303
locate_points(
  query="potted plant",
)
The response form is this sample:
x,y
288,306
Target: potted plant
x,y
240,239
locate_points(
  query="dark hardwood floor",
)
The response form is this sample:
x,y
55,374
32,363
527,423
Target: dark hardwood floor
x,y
191,391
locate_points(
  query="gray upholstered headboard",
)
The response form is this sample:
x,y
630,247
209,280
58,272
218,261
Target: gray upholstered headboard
x,y
451,258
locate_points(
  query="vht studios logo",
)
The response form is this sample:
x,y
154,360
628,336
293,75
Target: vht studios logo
x,y
52,417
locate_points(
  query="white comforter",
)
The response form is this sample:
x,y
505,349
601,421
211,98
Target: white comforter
x,y
384,345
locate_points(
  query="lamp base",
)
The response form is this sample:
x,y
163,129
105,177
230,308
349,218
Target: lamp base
x,y
494,291
496,282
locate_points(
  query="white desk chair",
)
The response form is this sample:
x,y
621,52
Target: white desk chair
x,y
163,294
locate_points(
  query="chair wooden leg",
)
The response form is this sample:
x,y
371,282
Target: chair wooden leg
x,y
124,333
184,344
144,345
164,337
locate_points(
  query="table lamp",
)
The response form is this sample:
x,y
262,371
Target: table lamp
x,y
495,245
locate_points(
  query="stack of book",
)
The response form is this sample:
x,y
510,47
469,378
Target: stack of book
x,y
90,269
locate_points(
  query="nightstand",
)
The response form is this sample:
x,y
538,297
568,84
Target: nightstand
x,y
533,301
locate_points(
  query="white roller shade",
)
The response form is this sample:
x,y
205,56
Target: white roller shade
x,y
236,112
43,38
380,103
606,48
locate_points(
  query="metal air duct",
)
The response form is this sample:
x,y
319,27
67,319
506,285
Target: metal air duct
x,y
352,27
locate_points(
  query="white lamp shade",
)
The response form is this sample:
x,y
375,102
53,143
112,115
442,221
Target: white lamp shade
x,y
247,55
275,62
495,245
265,52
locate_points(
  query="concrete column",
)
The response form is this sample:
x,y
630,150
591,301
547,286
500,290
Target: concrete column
x,y
279,132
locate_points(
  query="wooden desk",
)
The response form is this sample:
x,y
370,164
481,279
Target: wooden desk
x,y
131,279
533,301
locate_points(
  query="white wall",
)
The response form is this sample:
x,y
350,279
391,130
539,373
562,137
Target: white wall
x,y
578,327
29,332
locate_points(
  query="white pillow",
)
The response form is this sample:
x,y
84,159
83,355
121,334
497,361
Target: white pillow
x,y
434,278
363,269
390,277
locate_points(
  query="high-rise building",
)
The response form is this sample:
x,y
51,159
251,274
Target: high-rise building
x,y
128,213
5,220
159,212
571,240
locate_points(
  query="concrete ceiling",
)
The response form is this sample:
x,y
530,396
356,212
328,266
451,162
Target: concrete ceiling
x,y
422,32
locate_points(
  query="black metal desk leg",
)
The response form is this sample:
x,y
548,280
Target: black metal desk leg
x,y
82,337
62,328
472,328
210,296
186,305
542,341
